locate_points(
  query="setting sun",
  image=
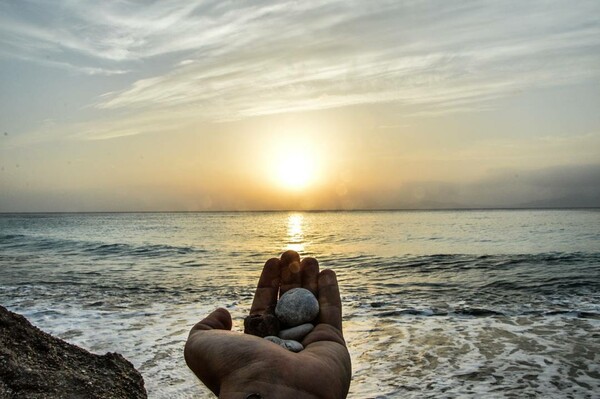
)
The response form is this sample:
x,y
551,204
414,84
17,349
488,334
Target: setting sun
x,y
298,161
295,171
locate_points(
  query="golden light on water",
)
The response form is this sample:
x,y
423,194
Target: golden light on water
x,y
295,232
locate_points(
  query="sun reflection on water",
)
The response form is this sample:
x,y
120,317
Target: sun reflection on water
x,y
295,238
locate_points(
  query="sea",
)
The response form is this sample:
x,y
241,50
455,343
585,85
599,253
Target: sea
x,y
436,304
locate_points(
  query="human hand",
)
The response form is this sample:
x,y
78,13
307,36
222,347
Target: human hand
x,y
235,365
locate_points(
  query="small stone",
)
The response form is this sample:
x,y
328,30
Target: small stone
x,y
261,325
274,339
296,333
291,345
297,306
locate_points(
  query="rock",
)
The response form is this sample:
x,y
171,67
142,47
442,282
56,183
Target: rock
x,y
297,306
274,339
262,325
296,333
291,345
34,364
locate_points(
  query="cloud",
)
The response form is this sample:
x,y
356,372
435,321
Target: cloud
x,y
555,186
453,58
86,70
552,187
222,61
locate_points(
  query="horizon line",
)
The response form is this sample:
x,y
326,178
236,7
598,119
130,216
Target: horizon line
x,y
315,210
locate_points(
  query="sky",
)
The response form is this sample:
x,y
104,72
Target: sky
x,y
252,105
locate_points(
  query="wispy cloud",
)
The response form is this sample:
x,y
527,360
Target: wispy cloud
x,y
223,60
338,54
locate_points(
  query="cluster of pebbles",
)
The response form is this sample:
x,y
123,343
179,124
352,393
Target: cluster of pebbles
x,y
287,323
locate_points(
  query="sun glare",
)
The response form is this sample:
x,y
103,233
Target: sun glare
x,y
297,163
295,232
295,171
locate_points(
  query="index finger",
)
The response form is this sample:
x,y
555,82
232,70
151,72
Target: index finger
x,y
268,287
330,303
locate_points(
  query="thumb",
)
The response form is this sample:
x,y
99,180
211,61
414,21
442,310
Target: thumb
x,y
199,352
219,319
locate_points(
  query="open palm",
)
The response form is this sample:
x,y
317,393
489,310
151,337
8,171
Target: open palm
x,y
236,365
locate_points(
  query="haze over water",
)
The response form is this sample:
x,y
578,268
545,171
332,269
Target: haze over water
x,y
436,303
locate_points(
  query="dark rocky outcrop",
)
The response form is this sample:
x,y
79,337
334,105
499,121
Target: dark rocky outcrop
x,y
34,364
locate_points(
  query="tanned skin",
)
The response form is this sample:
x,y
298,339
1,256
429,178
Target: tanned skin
x,y
234,365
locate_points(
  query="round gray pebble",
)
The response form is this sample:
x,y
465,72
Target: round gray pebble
x,y
297,306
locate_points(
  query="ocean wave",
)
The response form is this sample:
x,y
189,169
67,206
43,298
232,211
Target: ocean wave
x,y
151,251
10,237
474,312
483,312
491,305
81,247
547,268
568,282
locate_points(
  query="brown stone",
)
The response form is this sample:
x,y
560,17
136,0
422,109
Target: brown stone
x,y
262,325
